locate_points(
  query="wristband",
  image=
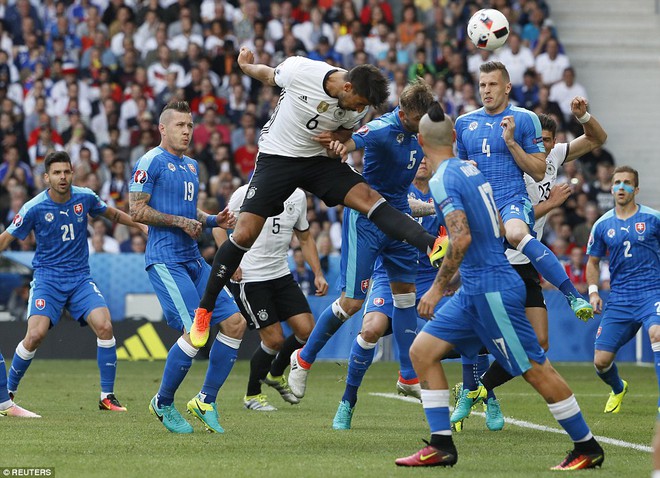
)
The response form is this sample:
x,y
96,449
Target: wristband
x,y
584,118
211,221
593,288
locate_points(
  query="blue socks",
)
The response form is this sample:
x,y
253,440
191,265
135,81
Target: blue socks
x,y
470,382
547,264
106,357
223,356
436,409
19,365
362,354
179,360
4,394
404,329
568,414
328,323
611,377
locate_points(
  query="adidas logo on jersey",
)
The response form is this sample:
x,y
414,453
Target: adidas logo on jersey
x,y
303,98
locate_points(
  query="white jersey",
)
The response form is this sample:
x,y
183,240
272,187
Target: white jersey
x,y
539,192
268,257
304,110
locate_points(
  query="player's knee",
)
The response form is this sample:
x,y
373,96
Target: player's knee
x,y
654,334
234,326
33,339
273,342
344,308
602,362
418,356
104,330
515,236
370,334
304,329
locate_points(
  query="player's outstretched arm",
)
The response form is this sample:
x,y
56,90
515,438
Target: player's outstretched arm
x,y
311,255
460,239
593,275
224,219
145,214
5,240
594,135
263,73
558,195
420,208
116,215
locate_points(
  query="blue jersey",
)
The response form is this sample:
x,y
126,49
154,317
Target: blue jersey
x,y
458,185
425,271
391,157
479,138
60,230
173,184
634,246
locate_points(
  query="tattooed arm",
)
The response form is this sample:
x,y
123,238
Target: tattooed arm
x,y
460,239
420,208
115,215
142,212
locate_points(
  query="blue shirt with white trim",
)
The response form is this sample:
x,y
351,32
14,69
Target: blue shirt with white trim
x,y
173,184
60,230
634,248
458,185
479,138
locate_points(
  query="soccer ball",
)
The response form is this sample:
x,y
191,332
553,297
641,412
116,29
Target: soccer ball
x,y
488,29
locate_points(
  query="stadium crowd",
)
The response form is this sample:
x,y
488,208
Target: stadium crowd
x,y
91,77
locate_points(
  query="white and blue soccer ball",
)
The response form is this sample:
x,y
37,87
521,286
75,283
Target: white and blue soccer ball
x,y
488,29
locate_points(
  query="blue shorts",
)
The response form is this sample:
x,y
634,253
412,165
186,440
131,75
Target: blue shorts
x,y
519,208
179,288
50,297
380,299
495,319
362,243
621,321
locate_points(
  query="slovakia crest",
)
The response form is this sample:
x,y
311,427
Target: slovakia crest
x,y
18,220
40,304
140,176
192,168
363,130
379,301
640,227
78,209
600,329
364,285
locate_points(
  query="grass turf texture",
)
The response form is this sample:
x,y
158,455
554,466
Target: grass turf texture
x,y
78,440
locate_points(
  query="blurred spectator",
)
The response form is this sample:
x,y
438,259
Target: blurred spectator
x,y
158,72
18,301
301,274
246,155
43,145
366,14
145,144
551,64
326,251
138,244
100,241
544,105
114,190
576,270
600,191
597,156
517,57
564,91
324,52
13,167
581,231
527,94
311,31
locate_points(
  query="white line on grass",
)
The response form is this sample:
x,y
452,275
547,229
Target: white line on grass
x,y
533,426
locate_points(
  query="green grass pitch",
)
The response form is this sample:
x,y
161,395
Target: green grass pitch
x,y
78,440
